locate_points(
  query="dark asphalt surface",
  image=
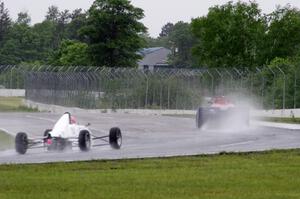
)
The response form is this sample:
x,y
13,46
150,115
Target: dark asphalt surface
x,y
144,136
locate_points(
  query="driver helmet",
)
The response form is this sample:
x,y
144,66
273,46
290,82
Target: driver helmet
x,y
73,120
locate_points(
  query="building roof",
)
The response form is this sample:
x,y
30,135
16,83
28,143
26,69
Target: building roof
x,y
154,56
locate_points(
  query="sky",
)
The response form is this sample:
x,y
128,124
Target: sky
x,y
157,12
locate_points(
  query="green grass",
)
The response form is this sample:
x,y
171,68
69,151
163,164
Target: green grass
x,y
13,104
180,115
274,175
6,141
280,120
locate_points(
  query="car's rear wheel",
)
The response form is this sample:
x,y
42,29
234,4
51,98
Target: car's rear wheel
x,y
84,140
115,138
21,143
199,118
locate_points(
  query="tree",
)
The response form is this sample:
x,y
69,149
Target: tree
x,y
52,14
23,18
72,53
155,42
113,32
12,49
44,37
231,35
283,36
78,20
166,30
181,41
60,19
5,22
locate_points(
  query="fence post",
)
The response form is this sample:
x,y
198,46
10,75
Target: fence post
x,y
295,88
147,90
262,86
283,89
212,81
222,86
273,92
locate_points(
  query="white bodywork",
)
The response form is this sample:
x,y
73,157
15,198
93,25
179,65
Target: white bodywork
x,y
64,129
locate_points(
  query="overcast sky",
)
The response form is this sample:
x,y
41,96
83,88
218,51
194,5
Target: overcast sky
x,y
157,12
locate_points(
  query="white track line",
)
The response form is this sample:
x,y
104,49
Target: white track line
x,y
40,118
236,144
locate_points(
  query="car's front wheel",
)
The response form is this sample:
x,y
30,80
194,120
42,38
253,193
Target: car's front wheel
x,y
115,138
84,140
21,143
199,118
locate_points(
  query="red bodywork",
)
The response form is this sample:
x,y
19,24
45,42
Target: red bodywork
x,y
221,102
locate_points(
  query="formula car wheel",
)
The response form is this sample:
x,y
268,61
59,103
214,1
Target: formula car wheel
x,y
199,118
21,143
84,140
115,138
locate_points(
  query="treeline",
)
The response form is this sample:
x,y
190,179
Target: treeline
x,y
108,34
233,35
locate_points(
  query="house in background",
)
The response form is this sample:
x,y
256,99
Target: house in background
x,y
154,58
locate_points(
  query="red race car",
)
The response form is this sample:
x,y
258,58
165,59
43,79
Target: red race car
x,y
221,112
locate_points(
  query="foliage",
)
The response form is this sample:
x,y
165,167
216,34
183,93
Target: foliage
x,y
78,20
156,42
72,53
20,44
181,41
166,30
52,13
179,38
283,36
37,43
287,83
23,18
113,33
230,35
5,22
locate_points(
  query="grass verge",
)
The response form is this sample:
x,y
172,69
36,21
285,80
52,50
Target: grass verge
x,y
180,115
273,174
6,141
14,104
290,120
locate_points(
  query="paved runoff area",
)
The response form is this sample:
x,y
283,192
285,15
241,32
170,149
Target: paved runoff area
x,y
146,136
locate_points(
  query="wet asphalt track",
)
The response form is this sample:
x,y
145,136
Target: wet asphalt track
x,y
144,136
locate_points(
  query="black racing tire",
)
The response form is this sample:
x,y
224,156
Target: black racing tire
x,y
199,118
84,140
21,143
115,138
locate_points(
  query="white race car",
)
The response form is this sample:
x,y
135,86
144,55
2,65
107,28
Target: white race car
x,y
67,133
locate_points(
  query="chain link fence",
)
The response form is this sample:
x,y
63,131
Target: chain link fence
x,y
128,88
11,77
